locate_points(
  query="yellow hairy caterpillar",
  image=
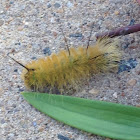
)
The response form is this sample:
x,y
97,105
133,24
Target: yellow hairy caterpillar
x,y
72,67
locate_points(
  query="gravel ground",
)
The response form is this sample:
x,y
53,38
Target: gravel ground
x,y
30,29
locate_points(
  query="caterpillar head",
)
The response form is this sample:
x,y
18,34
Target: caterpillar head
x,y
28,74
28,77
34,80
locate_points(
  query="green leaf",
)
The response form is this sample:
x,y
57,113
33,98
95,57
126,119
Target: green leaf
x,y
98,117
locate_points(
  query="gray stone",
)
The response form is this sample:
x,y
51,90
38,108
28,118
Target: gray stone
x,y
2,121
49,5
57,5
76,35
1,22
69,4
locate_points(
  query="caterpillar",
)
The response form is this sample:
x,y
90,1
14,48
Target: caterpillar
x,y
70,68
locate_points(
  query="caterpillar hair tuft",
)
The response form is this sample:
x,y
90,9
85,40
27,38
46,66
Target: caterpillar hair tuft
x,y
70,68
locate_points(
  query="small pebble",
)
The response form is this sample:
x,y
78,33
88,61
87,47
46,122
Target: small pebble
x,y
53,48
94,91
2,121
69,4
1,22
47,51
122,94
20,28
33,58
2,12
1,91
34,124
49,5
61,137
41,129
132,82
57,5
55,34
138,72
116,12
133,47
11,135
14,105
13,50
15,76
115,95
21,90
76,35
11,2
18,43
126,45
132,22
60,11
127,65
15,70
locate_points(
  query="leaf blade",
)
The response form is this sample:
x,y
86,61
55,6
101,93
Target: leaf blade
x,y
97,117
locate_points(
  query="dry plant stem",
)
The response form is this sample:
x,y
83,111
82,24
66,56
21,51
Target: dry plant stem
x,y
121,31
